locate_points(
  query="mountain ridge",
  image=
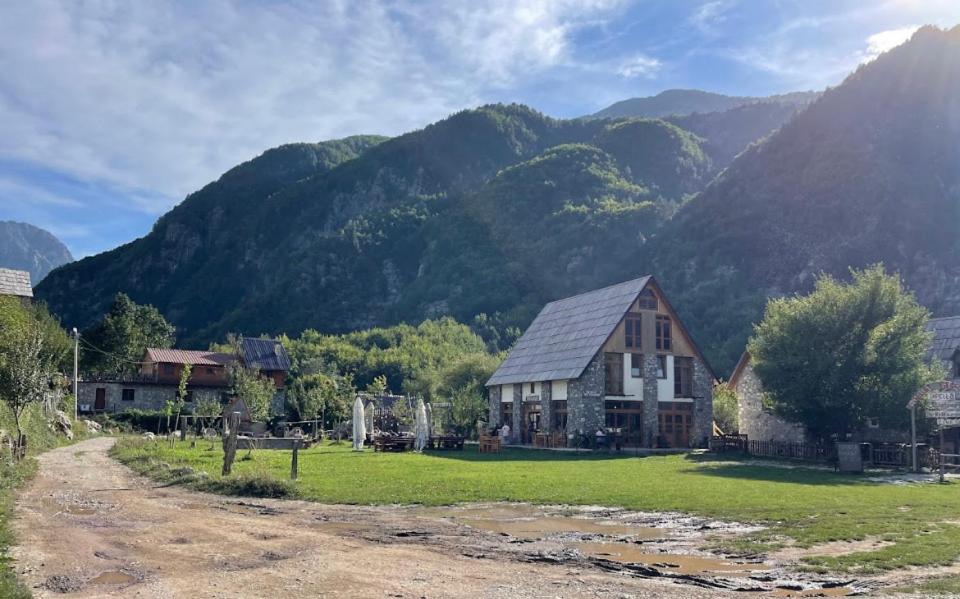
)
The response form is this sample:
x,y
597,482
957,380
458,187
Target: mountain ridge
x,y
27,247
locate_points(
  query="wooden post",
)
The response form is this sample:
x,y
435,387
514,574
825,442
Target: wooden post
x,y
913,437
230,443
293,461
942,447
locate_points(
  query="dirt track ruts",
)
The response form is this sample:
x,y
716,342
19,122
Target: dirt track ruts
x,y
88,526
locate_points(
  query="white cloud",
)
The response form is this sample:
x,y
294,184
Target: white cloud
x,y
709,16
640,66
157,99
878,43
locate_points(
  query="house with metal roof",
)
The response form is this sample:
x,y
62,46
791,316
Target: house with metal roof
x,y
16,283
158,378
615,363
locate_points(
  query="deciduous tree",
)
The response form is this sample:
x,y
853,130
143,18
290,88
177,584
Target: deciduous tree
x,y
844,353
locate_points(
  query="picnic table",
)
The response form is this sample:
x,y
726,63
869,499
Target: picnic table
x,y
446,442
387,443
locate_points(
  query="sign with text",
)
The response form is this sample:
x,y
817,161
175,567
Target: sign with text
x,y
941,402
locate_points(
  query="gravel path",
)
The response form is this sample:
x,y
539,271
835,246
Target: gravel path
x,y
90,527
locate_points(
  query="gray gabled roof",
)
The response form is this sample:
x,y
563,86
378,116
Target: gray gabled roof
x,y
566,334
946,337
264,354
15,282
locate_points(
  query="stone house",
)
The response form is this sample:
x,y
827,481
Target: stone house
x,y
758,422
16,283
616,360
158,378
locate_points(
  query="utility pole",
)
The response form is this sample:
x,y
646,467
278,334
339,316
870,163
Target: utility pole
x,y
76,361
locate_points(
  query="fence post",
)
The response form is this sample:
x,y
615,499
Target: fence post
x,y
293,460
230,443
942,465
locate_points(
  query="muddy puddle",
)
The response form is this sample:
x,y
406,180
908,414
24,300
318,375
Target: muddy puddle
x,y
679,564
639,544
528,522
113,577
57,507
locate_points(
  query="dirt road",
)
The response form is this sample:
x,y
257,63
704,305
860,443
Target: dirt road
x,y
89,527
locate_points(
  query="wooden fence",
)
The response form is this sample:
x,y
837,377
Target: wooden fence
x,y
886,455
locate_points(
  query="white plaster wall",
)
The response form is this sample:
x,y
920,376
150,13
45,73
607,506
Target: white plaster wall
x,y
506,393
559,390
665,386
631,386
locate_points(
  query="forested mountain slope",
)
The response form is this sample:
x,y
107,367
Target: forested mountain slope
x,y
870,172
340,235
679,102
499,209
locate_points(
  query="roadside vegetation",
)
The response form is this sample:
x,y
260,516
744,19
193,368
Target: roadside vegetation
x,y
33,351
801,506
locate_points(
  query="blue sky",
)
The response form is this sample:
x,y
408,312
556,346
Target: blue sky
x,y
112,112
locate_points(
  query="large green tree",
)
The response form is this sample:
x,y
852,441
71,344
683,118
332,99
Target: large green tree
x,y
844,353
115,344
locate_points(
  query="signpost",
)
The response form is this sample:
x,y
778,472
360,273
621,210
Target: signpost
x,y
940,402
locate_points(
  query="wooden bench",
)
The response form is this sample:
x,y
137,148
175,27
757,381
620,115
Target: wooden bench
x,y
393,443
489,444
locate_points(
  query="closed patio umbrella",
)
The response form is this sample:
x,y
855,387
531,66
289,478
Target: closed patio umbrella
x,y
359,426
420,425
370,410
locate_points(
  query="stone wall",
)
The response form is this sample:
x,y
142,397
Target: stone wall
x,y
515,436
755,422
493,393
585,407
651,404
546,409
146,396
703,405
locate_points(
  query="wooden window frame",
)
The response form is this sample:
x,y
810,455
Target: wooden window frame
x,y
634,368
664,330
661,366
682,376
613,379
648,300
632,331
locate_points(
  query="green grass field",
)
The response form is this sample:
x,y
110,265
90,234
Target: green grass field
x,y
808,505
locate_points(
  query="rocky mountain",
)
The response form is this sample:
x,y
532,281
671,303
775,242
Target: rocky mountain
x,y
679,102
499,209
352,233
30,248
869,172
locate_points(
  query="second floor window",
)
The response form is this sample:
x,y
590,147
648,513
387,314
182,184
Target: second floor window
x,y
664,333
647,300
614,374
631,331
682,377
636,366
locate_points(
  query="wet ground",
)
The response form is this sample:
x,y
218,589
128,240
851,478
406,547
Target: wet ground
x,y
89,527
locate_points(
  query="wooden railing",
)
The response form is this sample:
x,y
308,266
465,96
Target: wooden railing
x,y
884,455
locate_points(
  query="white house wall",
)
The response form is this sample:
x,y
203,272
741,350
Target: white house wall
x,y
558,390
506,393
631,386
665,386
